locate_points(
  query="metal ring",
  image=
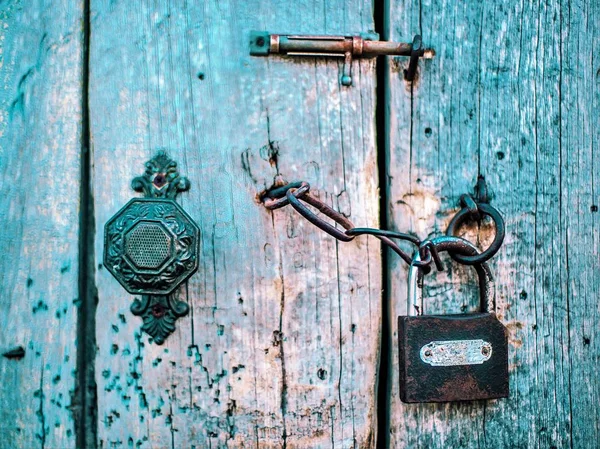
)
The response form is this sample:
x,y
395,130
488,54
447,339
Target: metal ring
x,y
423,263
323,208
463,216
277,197
428,248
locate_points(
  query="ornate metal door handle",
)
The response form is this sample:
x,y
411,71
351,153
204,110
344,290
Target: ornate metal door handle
x,y
151,246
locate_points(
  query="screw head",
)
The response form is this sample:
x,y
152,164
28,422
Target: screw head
x,y
158,310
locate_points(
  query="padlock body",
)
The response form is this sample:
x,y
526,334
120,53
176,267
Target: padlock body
x,y
452,357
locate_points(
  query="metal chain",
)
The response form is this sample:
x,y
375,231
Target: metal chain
x,y
298,193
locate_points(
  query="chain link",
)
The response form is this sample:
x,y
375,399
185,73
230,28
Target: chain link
x,y
296,194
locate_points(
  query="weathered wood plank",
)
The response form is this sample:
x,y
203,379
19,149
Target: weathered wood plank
x,y
578,348
281,349
513,95
40,144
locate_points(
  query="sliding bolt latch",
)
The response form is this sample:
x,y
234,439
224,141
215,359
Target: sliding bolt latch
x,y
368,45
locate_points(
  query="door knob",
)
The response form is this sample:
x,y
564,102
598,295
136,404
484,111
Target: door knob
x,y
151,246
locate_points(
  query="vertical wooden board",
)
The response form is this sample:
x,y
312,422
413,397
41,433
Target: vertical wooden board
x,y
579,182
506,97
40,144
281,347
433,159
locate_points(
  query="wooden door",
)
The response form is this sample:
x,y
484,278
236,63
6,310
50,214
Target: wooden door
x,y
281,346
290,342
513,95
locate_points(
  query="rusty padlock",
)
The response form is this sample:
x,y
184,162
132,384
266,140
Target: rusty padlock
x,y
452,357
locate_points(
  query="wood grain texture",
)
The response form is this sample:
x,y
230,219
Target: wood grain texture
x,y
40,144
281,348
512,94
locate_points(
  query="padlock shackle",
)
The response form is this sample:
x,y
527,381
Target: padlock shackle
x,y
487,286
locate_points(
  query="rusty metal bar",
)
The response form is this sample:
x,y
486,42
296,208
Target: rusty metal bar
x,y
365,46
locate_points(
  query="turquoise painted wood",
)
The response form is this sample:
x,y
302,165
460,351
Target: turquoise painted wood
x,y
282,348
513,95
40,145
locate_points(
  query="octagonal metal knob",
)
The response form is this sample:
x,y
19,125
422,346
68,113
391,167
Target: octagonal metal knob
x,y
152,246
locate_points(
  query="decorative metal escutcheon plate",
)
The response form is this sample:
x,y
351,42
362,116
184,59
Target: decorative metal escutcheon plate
x,y
152,246
456,352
